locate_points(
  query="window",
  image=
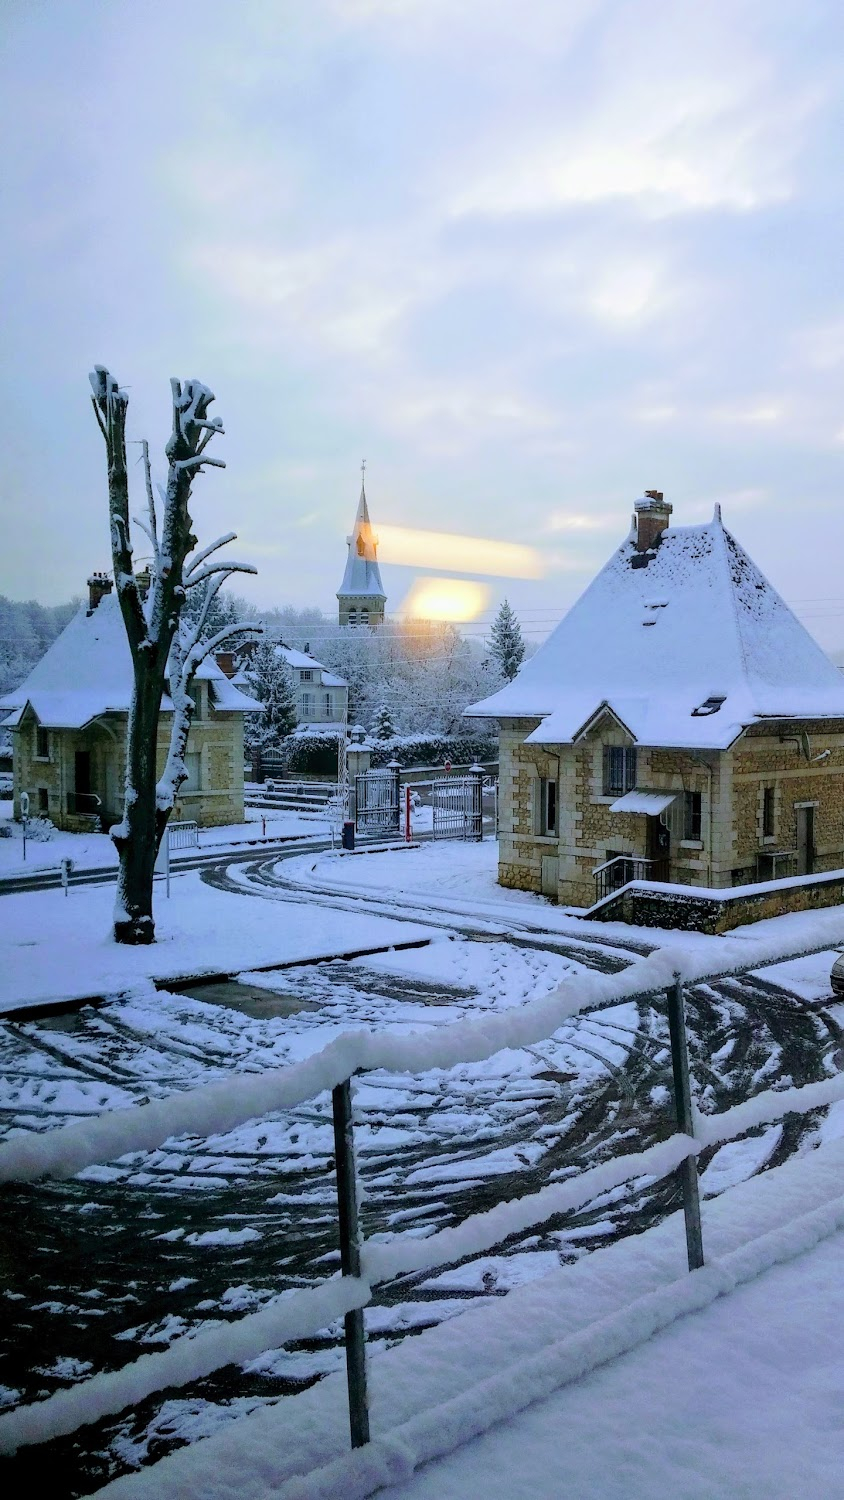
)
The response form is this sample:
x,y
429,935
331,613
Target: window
x,y
307,675
691,816
42,743
43,799
768,813
193,763
307,704
326,705
547,807
619,769
364,617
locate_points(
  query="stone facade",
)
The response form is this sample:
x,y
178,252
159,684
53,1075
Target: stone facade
x,y
49,765
800,764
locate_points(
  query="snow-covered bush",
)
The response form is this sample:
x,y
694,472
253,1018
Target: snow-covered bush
x,y
435,749
40,830
6,831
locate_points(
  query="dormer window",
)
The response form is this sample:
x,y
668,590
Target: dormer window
x,y
709,705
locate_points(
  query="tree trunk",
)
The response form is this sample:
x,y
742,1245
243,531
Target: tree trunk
x,y
139,836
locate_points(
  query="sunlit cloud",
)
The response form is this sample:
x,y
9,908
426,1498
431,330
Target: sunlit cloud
x,y
457,599
561,520
458,554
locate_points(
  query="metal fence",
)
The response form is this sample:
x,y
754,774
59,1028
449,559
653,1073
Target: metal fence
x,y
377,801
183,835
61,1153
458,807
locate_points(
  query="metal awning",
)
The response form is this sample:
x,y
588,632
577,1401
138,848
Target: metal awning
x,y
652,803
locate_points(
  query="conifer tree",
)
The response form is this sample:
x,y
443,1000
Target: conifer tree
x,y
271,682
506,645
383,727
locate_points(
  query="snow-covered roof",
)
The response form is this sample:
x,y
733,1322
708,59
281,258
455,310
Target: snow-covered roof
x,y
652,803
685,644
87,671
362,576
300,659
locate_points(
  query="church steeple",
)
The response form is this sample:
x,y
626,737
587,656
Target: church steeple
x,y
361,595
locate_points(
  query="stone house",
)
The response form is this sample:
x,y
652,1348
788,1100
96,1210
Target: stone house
x,y
679,725
68,721
322,698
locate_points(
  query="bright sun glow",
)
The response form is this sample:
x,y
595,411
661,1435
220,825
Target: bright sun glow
x,y
445,599
458,554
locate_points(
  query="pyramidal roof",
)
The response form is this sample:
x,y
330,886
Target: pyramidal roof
x,y
362,576
686,643
87,671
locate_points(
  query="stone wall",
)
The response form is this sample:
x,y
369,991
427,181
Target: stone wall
x,y
216,738
646,905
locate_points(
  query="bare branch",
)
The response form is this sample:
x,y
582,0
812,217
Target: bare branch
x,y
221,567
196,462
222,541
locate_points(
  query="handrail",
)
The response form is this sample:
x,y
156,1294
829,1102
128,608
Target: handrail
x,y
188,1358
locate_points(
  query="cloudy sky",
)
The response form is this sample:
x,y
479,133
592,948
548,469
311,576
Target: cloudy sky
x,y
528,259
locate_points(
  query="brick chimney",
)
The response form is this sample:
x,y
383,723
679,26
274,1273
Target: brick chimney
x,y
650,519
143,579
99,584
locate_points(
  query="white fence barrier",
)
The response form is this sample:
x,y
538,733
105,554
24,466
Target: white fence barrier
x,y
214,1108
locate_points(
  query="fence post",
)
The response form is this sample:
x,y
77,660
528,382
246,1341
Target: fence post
x,y
347,1205
393,765
478,798
408,832
685,1122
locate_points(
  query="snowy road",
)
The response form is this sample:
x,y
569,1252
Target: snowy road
x,y
128,1256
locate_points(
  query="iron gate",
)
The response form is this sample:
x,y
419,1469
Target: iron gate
x,y
377,802
458,807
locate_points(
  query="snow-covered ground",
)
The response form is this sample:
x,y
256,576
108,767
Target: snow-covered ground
x,y
618,1378
96,850
60,945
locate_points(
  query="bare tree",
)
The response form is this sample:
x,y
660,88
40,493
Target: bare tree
x,y
166,651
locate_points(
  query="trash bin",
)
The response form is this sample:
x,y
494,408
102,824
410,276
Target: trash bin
x,y
348,834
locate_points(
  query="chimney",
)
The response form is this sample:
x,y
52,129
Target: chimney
x,y
99,584
650,519
143,580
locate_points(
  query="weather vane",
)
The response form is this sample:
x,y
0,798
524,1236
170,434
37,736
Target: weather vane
x,y
363,469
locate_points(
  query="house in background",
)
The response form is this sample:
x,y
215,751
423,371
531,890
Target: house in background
x,y
68,721
679,725
321,697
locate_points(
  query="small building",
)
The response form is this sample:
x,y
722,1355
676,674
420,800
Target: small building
x,y
361,596
69,717
322,698
679,725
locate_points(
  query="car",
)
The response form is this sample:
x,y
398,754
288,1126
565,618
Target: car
x,y
836,977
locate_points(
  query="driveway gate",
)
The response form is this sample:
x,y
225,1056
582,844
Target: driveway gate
x,y
458,807
377,801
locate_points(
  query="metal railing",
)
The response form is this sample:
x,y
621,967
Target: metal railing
x,y
622,868
62,1153
183,835
82,804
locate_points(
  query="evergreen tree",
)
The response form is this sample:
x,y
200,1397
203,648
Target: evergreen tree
x,y
271,683
383,727
506,645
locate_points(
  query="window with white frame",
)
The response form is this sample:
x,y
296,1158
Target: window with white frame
x,y
619,770
306,675
307,705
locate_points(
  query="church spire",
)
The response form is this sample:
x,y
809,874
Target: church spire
x,y
361,595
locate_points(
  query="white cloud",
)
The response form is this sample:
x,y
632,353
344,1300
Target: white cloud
x,y
683,117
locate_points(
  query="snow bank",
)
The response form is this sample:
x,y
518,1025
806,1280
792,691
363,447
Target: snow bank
x,y
383,1261
291,1317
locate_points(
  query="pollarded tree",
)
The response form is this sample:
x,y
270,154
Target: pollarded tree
x,y
166,650
271,682
506,645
